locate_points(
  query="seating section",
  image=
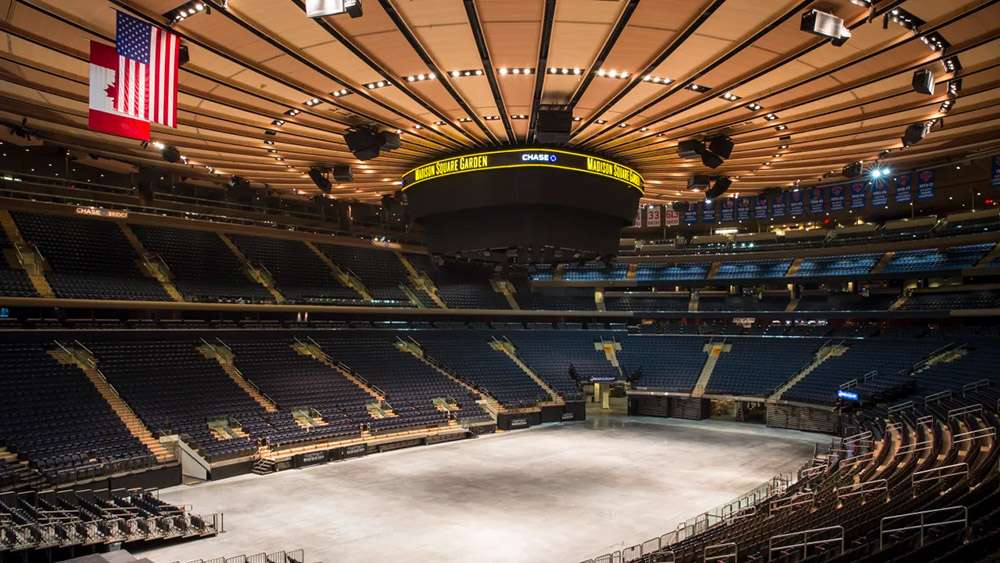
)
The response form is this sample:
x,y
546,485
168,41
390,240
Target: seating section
x,y
176,390
672,272
983,299
13,282
53,417
595,271
410,385
570,299
758,366
468,355
954,258
979,362
753,270
220,278
380,271
551,354
96,519
294,381
637,303
90,259
854,265
460,287
300,275
887,356
667,363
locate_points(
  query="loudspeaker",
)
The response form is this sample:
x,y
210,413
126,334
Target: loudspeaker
x,y
915,133
698,181
183,56
710,159
722,146
852,170
363,143
319,178
342,173
923,82
389,140
679,206
722,184
554,125
690,148
170,153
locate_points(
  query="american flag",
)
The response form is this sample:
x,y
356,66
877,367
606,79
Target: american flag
x,y
147,71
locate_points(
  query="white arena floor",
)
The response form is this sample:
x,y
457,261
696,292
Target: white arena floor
x,y
550,493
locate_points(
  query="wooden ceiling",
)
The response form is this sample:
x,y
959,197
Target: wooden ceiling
x,y
252,61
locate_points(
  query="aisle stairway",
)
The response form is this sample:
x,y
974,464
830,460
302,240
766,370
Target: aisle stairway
x,y
311,349
421,281
345,278
714,350
224,356
414,348
507,348
825,352
27,256
258,274
81,358
151,264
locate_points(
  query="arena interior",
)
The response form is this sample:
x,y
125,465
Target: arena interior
x,y
519,281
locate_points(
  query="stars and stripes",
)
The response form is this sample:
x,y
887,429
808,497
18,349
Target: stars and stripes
x,y
148,60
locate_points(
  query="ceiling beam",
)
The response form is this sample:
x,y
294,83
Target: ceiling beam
x,y
488,68
548,17
636,78
442,77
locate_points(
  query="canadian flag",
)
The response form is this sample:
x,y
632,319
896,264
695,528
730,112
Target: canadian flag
x,y
103,92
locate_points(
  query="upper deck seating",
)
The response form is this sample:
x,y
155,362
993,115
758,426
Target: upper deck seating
x,y
300,275
90,259
203,267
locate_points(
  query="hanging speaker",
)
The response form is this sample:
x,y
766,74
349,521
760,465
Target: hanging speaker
x,y
923,82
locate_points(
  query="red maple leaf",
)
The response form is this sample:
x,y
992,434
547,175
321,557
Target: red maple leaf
x,y
112,90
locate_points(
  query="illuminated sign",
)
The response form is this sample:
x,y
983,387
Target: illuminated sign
x,y
101,212
848,395
530,158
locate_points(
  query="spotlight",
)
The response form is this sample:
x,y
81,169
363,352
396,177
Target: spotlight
x,y
320,8
825,25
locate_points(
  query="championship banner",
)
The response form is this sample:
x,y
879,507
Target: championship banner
x,y
995,178
760,210
817,201
836,198
691,214
859,194
796,203
743,211
637,222
880,193
728,213
671,217
925,184
904,188
778,205
708,212
653,216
